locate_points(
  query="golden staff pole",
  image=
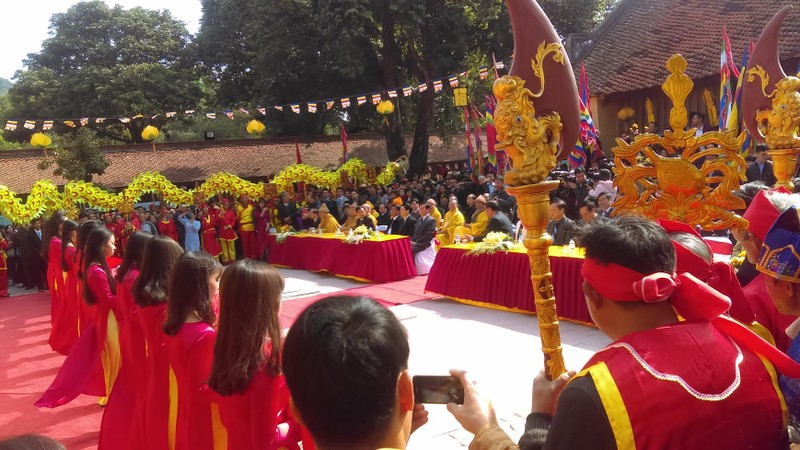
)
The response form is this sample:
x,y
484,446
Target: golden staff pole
x,y
533,202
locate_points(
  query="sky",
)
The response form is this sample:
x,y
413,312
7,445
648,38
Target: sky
x,y
25,24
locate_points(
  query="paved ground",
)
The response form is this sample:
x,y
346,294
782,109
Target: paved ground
x,y
500,350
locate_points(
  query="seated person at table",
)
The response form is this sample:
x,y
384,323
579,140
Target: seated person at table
x,y
351,220
364,399
364,218
424,230
395,221
498,222
384,217
311,219
409,222
650,388
434,212
453,221
326,221
479,222
560,226
589,212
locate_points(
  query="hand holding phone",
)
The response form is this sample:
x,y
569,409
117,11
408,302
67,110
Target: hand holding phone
x,y
438,389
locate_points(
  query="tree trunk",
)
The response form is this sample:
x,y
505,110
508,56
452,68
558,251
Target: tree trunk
x,y
390,61
395,142
419,149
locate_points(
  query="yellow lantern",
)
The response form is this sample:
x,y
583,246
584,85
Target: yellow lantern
x,y
460,97
150,133
385,108
40,140
255,127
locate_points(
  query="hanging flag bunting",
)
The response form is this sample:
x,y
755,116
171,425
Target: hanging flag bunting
x,y
499,65
229,113
47,125
376,98
11,125
392,94
296,108
68,123
483,73
171,114
453,81
84,121
126,119
189,111
211,115
30,124
361,99
422,87
329,105
261,110
279,108
312,108
407,91
100,120
464,74
154,117
437,85
244,111
345,102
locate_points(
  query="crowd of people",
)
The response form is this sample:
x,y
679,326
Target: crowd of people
x,y
170,317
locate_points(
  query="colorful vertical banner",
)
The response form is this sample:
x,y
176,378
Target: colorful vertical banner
x,y
491,133
343,134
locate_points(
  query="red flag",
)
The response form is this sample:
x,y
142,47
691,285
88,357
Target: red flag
x,y
343,132
297,152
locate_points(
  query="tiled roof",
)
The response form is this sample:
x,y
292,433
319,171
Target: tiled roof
x,y
637,38
195,161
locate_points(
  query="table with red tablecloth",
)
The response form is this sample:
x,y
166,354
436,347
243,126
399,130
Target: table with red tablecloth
x,y
502,280
377,260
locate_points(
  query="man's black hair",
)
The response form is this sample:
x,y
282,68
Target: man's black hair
x,y
698,114
342,359
493,205
630,241
589,205
604,174
761,148
560,203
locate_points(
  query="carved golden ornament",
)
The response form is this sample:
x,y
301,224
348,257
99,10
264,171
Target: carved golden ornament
x,y
779,125
670,185
531,142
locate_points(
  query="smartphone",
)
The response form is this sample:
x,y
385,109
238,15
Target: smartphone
x,y
438,389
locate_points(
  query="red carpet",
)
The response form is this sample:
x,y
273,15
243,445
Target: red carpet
x,y
389,294
27,366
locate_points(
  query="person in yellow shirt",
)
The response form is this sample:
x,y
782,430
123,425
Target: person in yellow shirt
x,y
247,229
479,220
327,223
435,212
352,218
453,221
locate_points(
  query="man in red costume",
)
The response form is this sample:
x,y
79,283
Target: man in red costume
x,y
208,230
166,225
762,213
113,227
247,229
226,232
694,384
3,266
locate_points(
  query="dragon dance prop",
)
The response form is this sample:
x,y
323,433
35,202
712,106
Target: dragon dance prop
x,y
532,141
774,116
45,197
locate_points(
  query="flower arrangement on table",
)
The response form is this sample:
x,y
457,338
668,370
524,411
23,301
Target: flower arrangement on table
x,y
359,234
493,242
286,231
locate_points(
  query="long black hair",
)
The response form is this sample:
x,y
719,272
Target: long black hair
x,y
134,251
83,233
93,254
50,230
152,285
66,239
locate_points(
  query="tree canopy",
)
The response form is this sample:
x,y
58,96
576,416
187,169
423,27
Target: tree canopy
x,y
262,52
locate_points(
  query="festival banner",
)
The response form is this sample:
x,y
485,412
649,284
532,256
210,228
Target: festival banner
x,y
393,94
30,124
244,111
345,102
279,108
295,108
47,125
437,85
171,114
211,116
70,123
453,81
407,91
361,99
229,113
262,111
483,73
376,98
126,119
329,105
189,112
11,125
422,87
312,108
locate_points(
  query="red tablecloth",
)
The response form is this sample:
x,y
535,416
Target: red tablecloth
x,y
504,280
378,261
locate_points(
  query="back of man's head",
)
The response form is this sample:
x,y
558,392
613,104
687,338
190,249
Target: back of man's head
x,y
342,360
630,241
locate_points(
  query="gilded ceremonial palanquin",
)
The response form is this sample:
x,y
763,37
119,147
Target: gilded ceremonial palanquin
x,y
693,177
532,142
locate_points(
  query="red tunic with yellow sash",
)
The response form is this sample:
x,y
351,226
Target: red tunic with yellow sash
x,y
688,386
208,231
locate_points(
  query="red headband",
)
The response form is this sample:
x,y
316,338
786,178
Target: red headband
x,y
691,298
